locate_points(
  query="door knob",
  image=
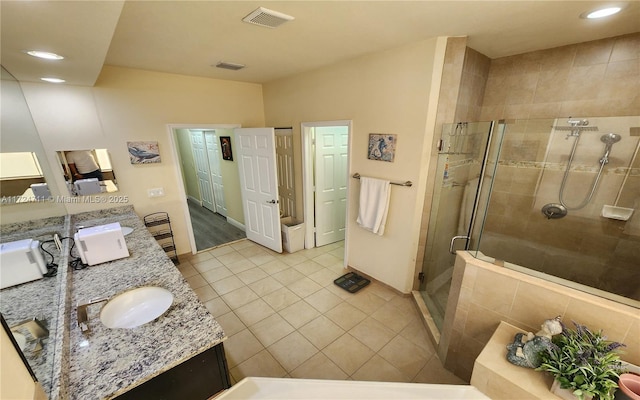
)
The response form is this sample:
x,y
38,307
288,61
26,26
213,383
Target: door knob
x,y
272,201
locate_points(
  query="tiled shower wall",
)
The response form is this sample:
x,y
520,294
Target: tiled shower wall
x,y
586,80
598,78
582,247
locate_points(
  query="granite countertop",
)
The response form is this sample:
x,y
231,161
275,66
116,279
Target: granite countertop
x,y
103,362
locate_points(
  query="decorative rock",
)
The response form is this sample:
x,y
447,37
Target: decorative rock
x,y
525,351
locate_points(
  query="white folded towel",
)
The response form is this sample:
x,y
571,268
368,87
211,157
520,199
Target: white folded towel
x,y
374,204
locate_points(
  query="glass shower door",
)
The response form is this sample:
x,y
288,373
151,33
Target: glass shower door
x,y
460,163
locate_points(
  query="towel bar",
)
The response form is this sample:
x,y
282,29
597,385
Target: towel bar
x,y
407,183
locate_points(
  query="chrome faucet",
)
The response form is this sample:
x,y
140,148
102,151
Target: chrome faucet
x,y
83,318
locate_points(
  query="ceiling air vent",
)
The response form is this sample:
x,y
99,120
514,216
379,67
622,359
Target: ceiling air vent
x,y
231,66
267,18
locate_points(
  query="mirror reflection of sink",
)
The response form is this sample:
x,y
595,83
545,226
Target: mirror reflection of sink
x,y
136,307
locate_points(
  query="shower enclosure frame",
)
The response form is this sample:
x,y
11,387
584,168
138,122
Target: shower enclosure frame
x,y
435,252
476,229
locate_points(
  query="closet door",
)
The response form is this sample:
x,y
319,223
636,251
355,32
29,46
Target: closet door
x,y
213,156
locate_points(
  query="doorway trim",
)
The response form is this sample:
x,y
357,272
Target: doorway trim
x,y
178,169
308,179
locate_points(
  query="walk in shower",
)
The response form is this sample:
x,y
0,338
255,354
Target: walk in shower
x,y
558,198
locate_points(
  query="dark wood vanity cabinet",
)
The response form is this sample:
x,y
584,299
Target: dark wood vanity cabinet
x,y
200,377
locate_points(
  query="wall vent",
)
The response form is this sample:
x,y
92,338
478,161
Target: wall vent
x,y
267,18
231,66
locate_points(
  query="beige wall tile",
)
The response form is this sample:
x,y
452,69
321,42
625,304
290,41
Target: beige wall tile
x,y
632,341
596,52
458,348
529,311
626,47
482,322
558,58
573,76
496,293
597,316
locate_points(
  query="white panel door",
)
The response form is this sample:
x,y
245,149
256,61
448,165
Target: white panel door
x,y
332,146
202,170
256,154
286,178
213,156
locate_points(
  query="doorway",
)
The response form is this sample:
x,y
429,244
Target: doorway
x,y
325,150
209,184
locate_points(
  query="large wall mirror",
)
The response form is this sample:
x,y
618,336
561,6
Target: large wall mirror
x,y
29,309
25,174
87,172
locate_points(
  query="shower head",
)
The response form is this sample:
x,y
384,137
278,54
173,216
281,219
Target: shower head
x,y
610,138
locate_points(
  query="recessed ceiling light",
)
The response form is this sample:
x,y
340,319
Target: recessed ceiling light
x,y
601,12
53,80
45,54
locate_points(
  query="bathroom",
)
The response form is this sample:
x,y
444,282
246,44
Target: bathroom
x,y
112,103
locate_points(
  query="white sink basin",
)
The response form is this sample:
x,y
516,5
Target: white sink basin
x,y
136,307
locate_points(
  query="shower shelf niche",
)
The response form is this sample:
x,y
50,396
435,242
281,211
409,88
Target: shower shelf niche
x,y
619,213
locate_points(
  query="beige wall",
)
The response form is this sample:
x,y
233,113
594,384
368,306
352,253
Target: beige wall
x,y
231,181
187,162
385,92
134,105
15,380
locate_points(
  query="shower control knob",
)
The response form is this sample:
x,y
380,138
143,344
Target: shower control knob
x,y
554,210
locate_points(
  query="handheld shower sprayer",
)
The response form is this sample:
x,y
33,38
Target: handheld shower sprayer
x,y
608,139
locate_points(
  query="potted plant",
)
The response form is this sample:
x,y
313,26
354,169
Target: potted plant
x,y
583,362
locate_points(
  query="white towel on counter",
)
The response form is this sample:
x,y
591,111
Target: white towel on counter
x,y
374,204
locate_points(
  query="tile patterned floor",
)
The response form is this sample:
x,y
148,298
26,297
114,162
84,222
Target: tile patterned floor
x,y
284,317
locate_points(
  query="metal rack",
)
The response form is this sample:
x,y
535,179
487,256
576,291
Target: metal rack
x,y
159,225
